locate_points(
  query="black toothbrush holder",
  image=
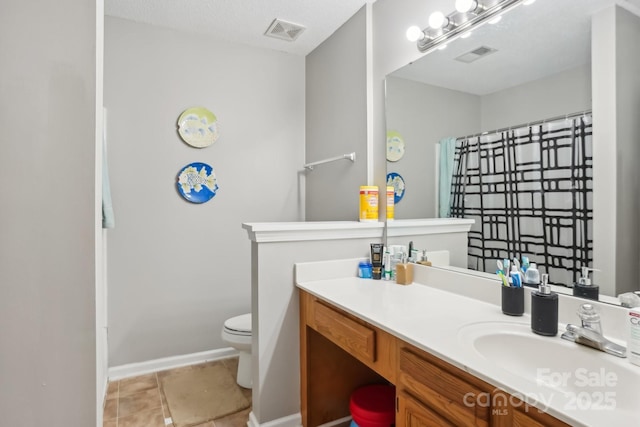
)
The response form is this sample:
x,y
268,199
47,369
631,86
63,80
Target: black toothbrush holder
x,y
513,300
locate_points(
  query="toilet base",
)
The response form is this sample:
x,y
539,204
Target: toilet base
x,y
244,370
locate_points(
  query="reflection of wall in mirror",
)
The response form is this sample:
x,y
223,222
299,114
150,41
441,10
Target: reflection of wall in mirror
x,y
424,114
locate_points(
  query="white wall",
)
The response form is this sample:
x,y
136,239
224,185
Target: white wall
x,y
336,122
177,270
47,216
276,388
424,114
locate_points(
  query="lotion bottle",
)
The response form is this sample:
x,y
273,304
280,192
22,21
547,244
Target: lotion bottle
x,y
544,309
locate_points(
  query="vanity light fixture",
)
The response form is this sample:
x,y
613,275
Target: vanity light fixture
x,y
468,14
437,20
464,6
414,33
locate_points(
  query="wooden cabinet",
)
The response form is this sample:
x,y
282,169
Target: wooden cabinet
x,y
447,391
367,343
340,352
413,413
523,415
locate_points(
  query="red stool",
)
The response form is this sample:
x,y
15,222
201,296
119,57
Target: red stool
x,y
374,406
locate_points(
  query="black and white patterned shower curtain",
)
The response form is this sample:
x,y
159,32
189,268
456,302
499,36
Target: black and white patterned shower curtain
x,y
530,192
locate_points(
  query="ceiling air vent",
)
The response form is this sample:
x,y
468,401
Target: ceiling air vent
x,y
284,30
476,54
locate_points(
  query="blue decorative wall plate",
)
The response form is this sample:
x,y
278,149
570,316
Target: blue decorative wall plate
x,y
197,182
396,181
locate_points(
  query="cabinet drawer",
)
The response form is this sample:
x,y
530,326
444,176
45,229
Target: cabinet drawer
x,y
452,397
412,413
357,339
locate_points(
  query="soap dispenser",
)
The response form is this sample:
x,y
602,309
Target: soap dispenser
x,y
544,309
584,288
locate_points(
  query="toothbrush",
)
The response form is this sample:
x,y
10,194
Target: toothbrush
x,y
504,278
507,266
500,267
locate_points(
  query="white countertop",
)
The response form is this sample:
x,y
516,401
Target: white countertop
x,y
431,319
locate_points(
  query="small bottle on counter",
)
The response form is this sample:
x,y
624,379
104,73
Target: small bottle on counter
x,y
544,309
365,270
532,276
386,275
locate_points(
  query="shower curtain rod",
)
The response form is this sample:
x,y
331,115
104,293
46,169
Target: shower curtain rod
x,y
537,122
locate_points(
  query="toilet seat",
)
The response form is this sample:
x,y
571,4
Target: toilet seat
x,y
239,325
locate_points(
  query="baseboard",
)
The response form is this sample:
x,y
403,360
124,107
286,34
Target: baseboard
x,y
294,420
141,368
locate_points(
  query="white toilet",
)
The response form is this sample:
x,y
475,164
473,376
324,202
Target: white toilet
x,y
237,333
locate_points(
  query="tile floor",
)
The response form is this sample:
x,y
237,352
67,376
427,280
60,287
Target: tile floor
x,y
140,402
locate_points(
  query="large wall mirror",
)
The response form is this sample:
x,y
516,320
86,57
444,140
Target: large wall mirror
x,y
507,115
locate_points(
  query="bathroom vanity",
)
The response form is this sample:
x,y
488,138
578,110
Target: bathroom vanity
x,y
341,352
455,361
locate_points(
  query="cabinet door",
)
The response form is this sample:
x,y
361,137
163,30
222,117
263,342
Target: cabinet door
x,y
412,413
528,416
442,389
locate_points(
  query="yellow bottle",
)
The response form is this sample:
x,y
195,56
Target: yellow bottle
x,y
368,203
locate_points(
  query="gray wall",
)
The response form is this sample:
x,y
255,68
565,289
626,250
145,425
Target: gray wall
x,y
628,140
336,122
616,108
177,270
391,50
424,114
563,93
47,217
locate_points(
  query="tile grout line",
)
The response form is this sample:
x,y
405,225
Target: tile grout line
x,y
118,404
164,417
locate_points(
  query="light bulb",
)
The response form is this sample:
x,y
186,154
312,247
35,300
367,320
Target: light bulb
x,y
442,47
496,20
438,20
464,6
466,35
528,2
414,33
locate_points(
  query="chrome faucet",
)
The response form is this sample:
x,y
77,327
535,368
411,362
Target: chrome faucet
x,y
590,333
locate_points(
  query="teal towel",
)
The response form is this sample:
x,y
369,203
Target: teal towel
x,y
108,220
447,151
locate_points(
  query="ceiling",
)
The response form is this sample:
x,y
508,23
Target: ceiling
x,y
243,21
532,42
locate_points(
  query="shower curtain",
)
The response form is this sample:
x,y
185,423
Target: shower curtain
x,y
530,191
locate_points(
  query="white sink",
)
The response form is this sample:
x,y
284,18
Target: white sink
x,y
584,377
